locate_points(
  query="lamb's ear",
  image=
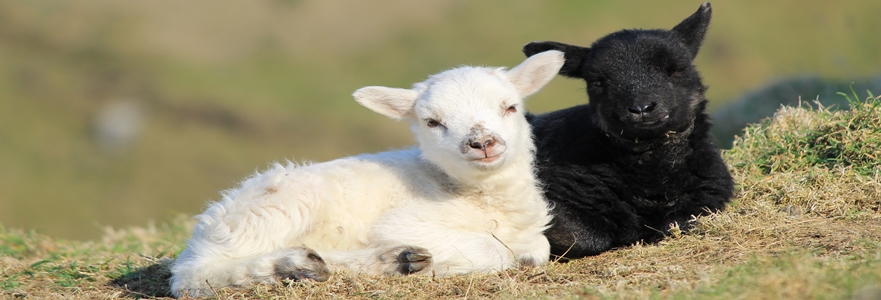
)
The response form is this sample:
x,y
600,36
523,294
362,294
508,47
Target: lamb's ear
x,y
535,72
575,56
692,30
394,103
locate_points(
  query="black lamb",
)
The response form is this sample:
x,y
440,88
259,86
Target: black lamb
x,y
638,157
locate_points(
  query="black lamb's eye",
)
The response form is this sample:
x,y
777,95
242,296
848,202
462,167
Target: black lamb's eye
x,y
675,70
597,82
432,123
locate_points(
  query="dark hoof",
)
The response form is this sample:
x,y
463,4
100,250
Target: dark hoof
x,y
409,259
302,264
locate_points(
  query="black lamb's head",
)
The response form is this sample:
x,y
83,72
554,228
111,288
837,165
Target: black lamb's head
x,y
641,83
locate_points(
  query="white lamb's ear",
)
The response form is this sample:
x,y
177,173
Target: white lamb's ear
x,y
394,103
536,71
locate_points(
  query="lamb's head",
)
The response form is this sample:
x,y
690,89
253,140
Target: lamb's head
x,y
469,121
641,83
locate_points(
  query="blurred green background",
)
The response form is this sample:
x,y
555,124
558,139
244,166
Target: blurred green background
x,y
119,112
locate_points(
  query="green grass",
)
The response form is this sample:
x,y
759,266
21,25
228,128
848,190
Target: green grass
x,y
830,139
44,267
795,276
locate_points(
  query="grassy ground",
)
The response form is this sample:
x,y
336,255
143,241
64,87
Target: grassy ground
x,y
805,224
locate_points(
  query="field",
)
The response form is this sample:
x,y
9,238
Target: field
x,y
210,91
805,224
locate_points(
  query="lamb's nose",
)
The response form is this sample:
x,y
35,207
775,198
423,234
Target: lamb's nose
x,y
642,108
481,145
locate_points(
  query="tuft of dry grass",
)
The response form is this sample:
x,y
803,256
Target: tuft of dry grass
x,y
805,223
813,160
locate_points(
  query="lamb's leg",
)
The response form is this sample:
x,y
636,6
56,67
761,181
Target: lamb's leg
x,y
198,277
246,237
441,251
573,237
404,260
472,252
300,263
460,251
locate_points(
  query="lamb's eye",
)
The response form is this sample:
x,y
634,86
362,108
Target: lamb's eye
x,y
511,109
432,123
597,83
675,70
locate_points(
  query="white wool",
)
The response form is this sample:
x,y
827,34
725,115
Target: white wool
x,y
470,216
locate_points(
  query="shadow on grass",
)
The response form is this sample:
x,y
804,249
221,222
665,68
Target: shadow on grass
x,y
149,281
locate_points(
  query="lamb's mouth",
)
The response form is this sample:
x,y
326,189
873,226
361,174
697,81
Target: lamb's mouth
x,y
650,123
488,159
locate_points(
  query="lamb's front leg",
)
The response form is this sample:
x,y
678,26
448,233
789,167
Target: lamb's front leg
x,y
460,251
440,252
536,252
403,260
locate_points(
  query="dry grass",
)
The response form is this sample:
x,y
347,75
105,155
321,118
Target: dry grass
x,y
805,224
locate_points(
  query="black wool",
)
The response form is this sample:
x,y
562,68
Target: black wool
x,y
639,156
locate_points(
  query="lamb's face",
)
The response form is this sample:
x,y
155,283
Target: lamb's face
x,y
641,83
470,119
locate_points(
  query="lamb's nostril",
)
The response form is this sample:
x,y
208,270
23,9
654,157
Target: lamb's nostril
x,y
481,145
642,108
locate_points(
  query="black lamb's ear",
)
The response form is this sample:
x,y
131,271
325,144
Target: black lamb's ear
x,y
692,29
574,55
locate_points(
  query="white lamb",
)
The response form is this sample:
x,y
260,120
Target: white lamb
x,y
464,201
